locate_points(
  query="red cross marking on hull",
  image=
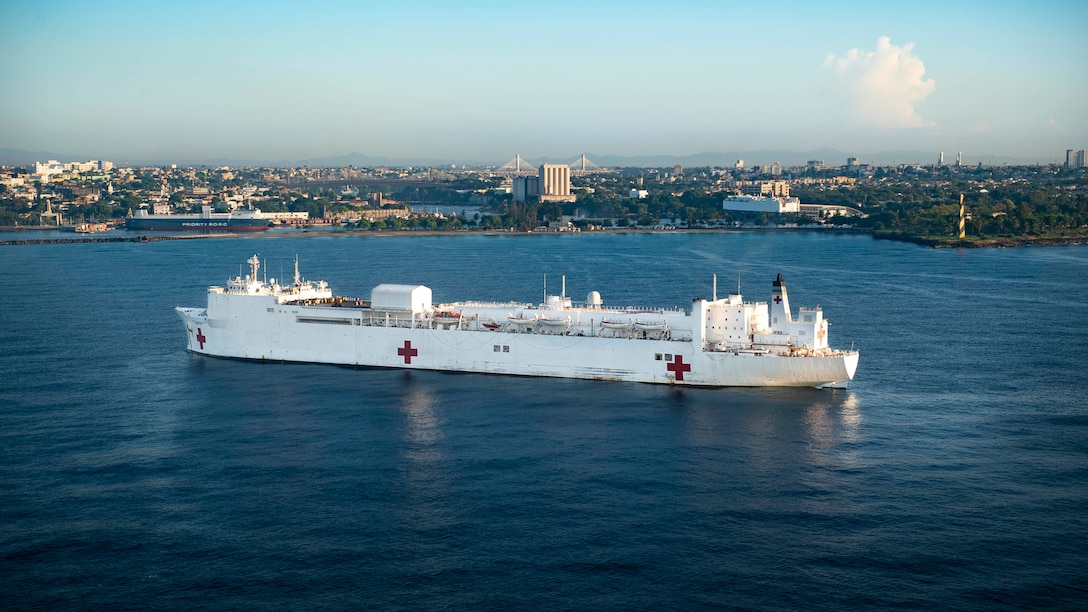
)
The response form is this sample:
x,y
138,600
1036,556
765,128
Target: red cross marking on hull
x,y
778,299
407,351
200,337
678,367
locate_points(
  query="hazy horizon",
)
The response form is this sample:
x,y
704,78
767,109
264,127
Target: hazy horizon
x,y
480,83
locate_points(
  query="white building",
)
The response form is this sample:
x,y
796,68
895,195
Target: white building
x,y
54,167
555,183
768,188
760,204
47,169
1074,159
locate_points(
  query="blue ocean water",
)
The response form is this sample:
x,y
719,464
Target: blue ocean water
x,y
953,473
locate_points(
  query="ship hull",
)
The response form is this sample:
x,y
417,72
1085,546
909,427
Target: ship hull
x,y
167,224
343,338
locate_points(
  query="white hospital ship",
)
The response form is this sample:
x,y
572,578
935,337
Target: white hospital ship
x,y
719,342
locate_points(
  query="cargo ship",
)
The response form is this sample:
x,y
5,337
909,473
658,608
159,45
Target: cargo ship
x,y
241,220
717,343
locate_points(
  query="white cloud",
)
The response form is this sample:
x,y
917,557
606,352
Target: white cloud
x,y
882,87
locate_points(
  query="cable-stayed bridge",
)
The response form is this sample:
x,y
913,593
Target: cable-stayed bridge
x,y
581,165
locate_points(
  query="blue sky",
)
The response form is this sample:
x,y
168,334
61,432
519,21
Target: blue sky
x,y
479,83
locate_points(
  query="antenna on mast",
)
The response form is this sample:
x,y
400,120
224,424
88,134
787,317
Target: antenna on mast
x,y
297,277
715,287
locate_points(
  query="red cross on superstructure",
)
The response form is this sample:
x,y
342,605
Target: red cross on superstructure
x,y
200,337
407,351
820,333
678,367
778,299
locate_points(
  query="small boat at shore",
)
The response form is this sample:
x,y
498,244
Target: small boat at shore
x,y
90,228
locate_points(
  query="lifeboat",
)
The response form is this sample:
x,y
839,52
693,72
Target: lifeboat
x,y
555,323
493,326
447,317
520,320
650,326
605,323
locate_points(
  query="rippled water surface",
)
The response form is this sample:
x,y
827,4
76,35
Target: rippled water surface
x,y
953,473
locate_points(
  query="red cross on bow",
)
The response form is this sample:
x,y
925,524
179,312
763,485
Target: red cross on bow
x,y
200,337
407,351
678,367
778,299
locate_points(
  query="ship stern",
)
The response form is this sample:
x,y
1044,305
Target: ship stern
x,y
849,366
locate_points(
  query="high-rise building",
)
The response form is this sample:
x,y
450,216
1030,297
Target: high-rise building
x,y
1074,158
852,162
940,159
959,159
555,183
776,189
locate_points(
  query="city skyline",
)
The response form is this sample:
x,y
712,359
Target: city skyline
x,y
478,84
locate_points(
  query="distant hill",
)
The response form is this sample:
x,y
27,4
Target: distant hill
x,y
724,159
830,157
19,157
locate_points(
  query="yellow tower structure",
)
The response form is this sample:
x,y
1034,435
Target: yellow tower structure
x,y
963,220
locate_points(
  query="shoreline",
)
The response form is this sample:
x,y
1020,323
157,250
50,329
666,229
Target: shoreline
x,y
982,243
936,243
327,231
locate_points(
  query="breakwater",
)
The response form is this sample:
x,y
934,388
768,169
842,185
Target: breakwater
x,y
142,238
945,242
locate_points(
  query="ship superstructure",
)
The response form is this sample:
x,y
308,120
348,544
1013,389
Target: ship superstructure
x,y
719,342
